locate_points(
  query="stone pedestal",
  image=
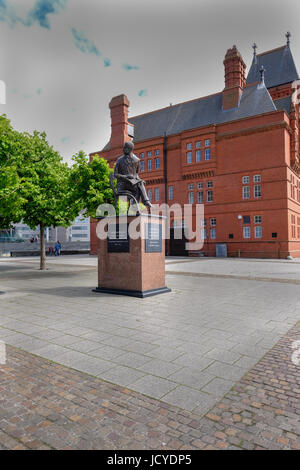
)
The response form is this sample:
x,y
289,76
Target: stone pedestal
x,y
134,267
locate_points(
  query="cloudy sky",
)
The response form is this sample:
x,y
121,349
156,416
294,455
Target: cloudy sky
x,y
63,60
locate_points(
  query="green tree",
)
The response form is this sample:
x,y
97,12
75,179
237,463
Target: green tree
x,y
45,188
11,182
89,183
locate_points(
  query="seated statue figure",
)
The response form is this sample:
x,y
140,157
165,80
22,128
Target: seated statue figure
x,y
126,174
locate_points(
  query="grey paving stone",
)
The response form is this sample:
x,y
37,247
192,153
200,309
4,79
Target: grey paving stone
x,y
5,333
193,360
64,340
187,398
246,362
48,334
84,345
218,387
34,345
153,386
206,405
50,351
229,357
97,336
226,371
116,341
168,354
71,358
94,366
131,359
121,375
18,339
252,351
139,347
191,377
106,352
160,368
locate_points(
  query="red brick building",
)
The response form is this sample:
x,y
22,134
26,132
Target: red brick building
x,y
236,151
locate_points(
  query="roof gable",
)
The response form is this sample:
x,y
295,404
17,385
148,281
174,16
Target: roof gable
x,y
279,67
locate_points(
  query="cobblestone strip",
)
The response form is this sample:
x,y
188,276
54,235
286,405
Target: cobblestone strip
x,y
47,406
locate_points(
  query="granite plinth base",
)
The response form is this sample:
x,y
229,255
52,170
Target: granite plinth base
x,y
133,293
132,265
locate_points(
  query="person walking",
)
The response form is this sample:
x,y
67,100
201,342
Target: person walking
x,y
51,250
57,248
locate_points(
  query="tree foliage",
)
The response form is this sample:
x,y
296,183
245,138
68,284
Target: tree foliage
x,y
37,187
89,184
11,182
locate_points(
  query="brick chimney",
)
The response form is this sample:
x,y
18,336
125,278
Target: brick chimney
x,y
119,121
234,78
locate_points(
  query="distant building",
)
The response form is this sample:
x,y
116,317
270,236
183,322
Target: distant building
x,y
236,152
79,230
24,232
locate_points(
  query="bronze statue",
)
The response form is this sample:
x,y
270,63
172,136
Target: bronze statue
x,y
126,174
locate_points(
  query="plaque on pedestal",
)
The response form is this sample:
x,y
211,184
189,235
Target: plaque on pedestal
x,y
118,239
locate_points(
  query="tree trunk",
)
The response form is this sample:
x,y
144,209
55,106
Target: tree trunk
x,y
43,251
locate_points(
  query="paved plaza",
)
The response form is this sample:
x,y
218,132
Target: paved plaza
x,y
47,406
186,349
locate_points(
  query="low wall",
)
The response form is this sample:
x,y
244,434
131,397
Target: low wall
x,y
33,249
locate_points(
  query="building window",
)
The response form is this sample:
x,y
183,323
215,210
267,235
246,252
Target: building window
x,y
245,180
257,219
293,226
209,196
198,144
257,178
189,157
209,184
207,154
142,155
157,194
246,192
204,233
191,198
246,219
200,197
246,232
171,192
189,146
157,163
213,222
213,233
258,231
257,190
149,164
200,185
198,155
157,152
203,222
191,186
142,166
207,142
150,194
149,154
